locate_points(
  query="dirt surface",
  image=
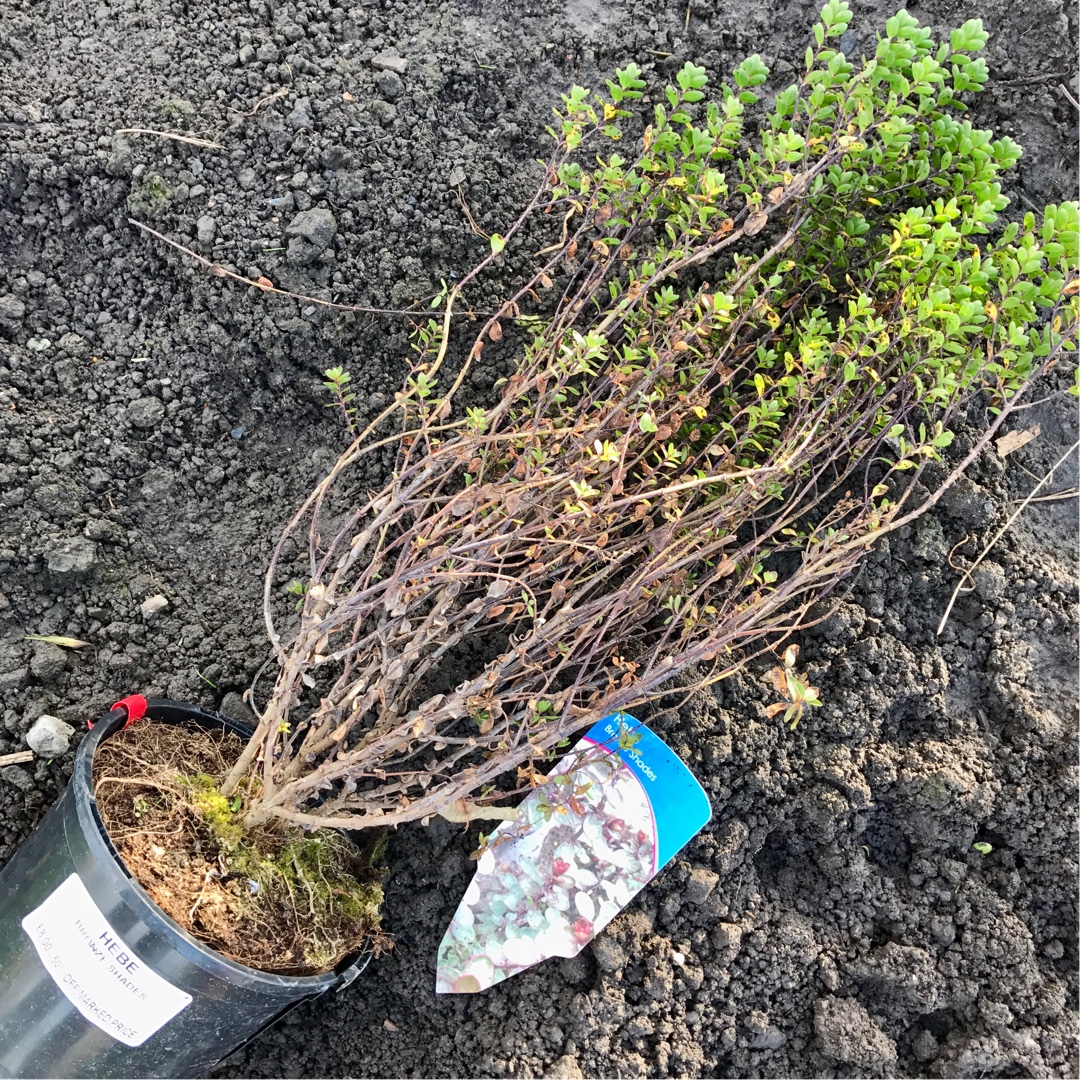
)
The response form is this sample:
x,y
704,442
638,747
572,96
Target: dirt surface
x,y
834,918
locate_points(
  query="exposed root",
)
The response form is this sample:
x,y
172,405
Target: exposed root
x,y
281,900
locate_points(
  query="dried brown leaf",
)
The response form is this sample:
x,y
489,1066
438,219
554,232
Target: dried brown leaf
x,y
1013,440
57,639
755,223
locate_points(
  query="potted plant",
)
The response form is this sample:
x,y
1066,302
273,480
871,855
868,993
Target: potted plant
x,y
752,351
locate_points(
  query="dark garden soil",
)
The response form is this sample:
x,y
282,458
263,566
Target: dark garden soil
x,y
158,424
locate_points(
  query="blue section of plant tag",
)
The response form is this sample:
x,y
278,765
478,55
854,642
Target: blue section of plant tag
x,y
609,817
680,806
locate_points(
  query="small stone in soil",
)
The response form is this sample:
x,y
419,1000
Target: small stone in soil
x,y
17,777
152,605
300,117
316,227
389,61
701,884
12,309
48,661
49,737
389,86
76,555
146,412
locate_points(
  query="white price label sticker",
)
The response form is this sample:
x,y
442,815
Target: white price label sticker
x,y
96,971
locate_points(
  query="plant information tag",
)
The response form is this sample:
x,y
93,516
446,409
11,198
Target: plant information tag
x,y
96,971
609,817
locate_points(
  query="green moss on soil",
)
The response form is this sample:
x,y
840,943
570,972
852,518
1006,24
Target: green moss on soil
x,y
316,873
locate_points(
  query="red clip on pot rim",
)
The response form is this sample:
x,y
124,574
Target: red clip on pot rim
x,y
134,705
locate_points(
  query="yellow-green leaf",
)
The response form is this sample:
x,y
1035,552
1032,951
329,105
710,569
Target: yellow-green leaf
x,y
56,639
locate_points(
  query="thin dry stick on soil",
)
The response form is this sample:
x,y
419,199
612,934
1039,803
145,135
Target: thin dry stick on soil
x,y
191,140
1057,496
265,286
1065,93
262,102
966,577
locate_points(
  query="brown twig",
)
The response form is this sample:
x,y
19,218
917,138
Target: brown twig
x,y
20,757
468,214
219,271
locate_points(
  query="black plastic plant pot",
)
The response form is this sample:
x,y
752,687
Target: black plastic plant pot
x,y
96,980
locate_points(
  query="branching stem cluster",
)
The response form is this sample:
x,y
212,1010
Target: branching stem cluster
x,y
753,356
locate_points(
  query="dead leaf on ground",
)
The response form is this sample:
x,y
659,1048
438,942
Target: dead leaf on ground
x,y
57,639
755,223
1013,440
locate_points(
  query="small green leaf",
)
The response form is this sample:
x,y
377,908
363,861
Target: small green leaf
x,y
497,243
982,847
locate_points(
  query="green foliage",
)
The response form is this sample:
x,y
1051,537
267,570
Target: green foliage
x,y
299,590
215,810
884,196
762,341
149,196
311,871
337,382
